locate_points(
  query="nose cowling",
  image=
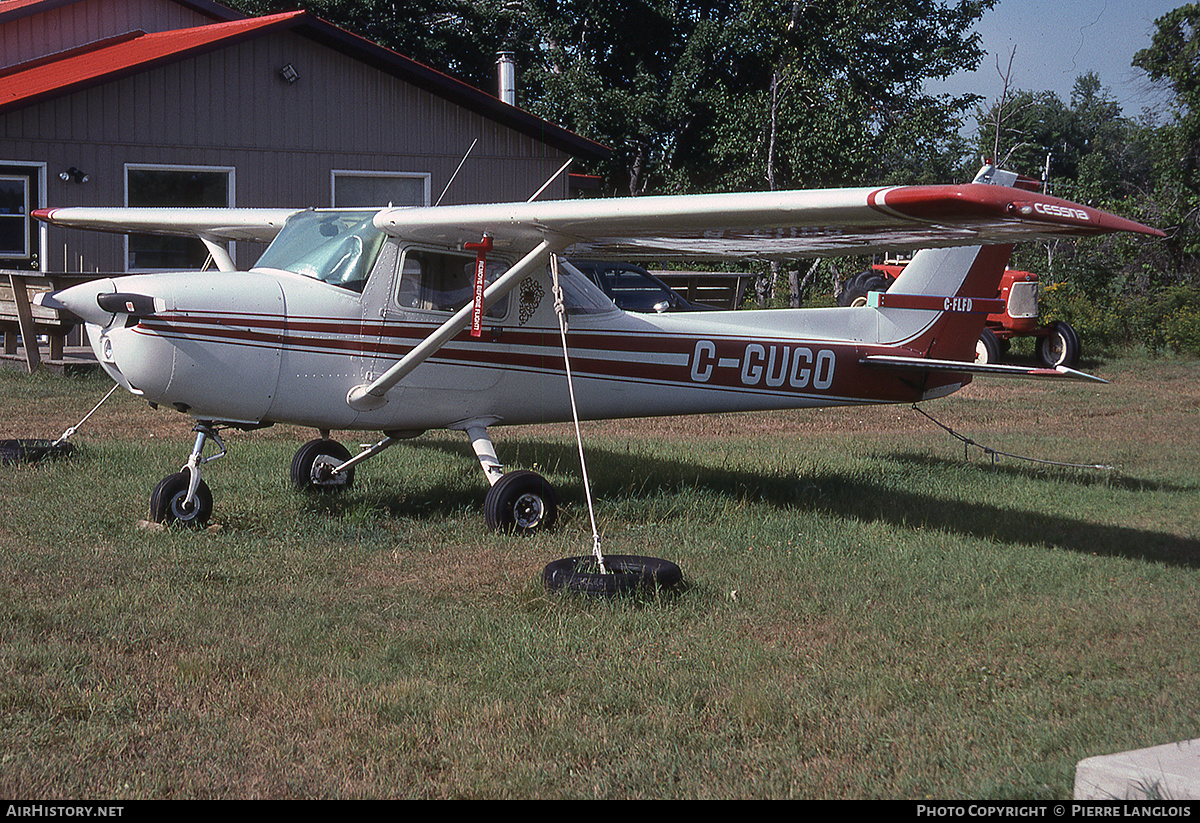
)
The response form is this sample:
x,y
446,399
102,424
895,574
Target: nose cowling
x,y
207,345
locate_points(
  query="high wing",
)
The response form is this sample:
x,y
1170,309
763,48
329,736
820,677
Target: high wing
x,y
763,225
213,226
259,225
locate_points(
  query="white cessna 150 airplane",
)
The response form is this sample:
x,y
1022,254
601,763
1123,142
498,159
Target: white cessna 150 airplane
x,y
401,320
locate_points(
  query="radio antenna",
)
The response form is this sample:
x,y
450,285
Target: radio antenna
x,y
456,171
551,180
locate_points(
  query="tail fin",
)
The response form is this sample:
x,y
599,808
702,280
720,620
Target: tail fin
x,y
955,289
964,278
963,284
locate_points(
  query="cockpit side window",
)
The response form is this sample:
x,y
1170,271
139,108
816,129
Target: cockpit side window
x,y
445,282
580,295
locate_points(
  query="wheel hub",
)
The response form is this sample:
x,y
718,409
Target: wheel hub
x,y
528,511
323,473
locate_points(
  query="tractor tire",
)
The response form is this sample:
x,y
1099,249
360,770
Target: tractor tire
x,y
988,349
1060,347
854,289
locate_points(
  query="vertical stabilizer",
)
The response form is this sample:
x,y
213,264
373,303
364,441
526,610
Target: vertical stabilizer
x,y
971,272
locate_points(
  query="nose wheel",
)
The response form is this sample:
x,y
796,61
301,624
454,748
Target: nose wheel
x,y
172,505
183,498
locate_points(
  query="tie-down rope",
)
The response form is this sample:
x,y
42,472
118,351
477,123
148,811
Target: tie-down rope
x,y
994,453
72,429
561,309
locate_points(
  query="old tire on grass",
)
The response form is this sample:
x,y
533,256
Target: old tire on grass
x,y
626,574
32,451
167,502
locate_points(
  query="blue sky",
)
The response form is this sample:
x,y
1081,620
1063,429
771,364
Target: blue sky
x,y
1058,40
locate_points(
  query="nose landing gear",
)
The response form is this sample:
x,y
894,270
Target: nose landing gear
x,y
183,498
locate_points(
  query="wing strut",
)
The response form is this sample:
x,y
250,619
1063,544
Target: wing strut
x,y
371,396
220,254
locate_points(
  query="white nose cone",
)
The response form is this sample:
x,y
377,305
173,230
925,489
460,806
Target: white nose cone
x,y
81,301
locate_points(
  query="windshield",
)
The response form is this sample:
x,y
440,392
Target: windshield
x,y
337,247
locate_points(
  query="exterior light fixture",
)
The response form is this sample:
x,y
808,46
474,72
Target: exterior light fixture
x,y
289,73
73,175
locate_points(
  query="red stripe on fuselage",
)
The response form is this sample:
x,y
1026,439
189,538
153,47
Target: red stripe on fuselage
x,y
783,367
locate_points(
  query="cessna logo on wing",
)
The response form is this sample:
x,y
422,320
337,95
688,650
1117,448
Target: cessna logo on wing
x,y
1060,211
774,365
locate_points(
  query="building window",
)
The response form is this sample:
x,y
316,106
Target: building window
x,y
173,187
14,217
353,189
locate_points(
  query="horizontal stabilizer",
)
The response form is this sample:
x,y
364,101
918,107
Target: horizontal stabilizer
x,y
885,361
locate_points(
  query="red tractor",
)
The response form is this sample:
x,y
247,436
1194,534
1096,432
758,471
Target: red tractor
x,y
1058,345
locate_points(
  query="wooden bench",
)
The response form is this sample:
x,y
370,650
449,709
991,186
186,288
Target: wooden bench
x,y
21,320
724,290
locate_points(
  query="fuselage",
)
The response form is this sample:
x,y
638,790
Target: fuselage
x,y
283,343
288,348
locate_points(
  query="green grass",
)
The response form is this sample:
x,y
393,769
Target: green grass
x,y
869,612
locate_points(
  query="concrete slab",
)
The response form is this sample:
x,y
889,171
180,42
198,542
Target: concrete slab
x,y
1167,772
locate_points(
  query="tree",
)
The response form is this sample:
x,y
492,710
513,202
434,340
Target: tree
x,y
1173,60
630,75
827,93
1081,148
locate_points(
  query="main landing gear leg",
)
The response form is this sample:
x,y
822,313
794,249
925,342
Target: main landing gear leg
x,y
183,498
518,501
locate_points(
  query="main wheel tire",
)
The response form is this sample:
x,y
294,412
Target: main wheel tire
x,y
626,574
167,502
988,349
1060,347
854,290
522,502
312,467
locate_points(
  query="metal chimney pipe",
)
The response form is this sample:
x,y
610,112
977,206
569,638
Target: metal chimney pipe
x,y
508,77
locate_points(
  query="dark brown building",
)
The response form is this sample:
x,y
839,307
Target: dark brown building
x,y
185,102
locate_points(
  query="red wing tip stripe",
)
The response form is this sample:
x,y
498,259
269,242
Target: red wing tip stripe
x,y
977,201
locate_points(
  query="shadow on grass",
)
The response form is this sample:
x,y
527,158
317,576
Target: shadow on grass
x,y
1013,467
620,476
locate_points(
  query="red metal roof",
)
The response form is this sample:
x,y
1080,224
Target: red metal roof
x,y
129,54
121,56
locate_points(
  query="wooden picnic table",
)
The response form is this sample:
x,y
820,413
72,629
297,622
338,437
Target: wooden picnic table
x,y
21,319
